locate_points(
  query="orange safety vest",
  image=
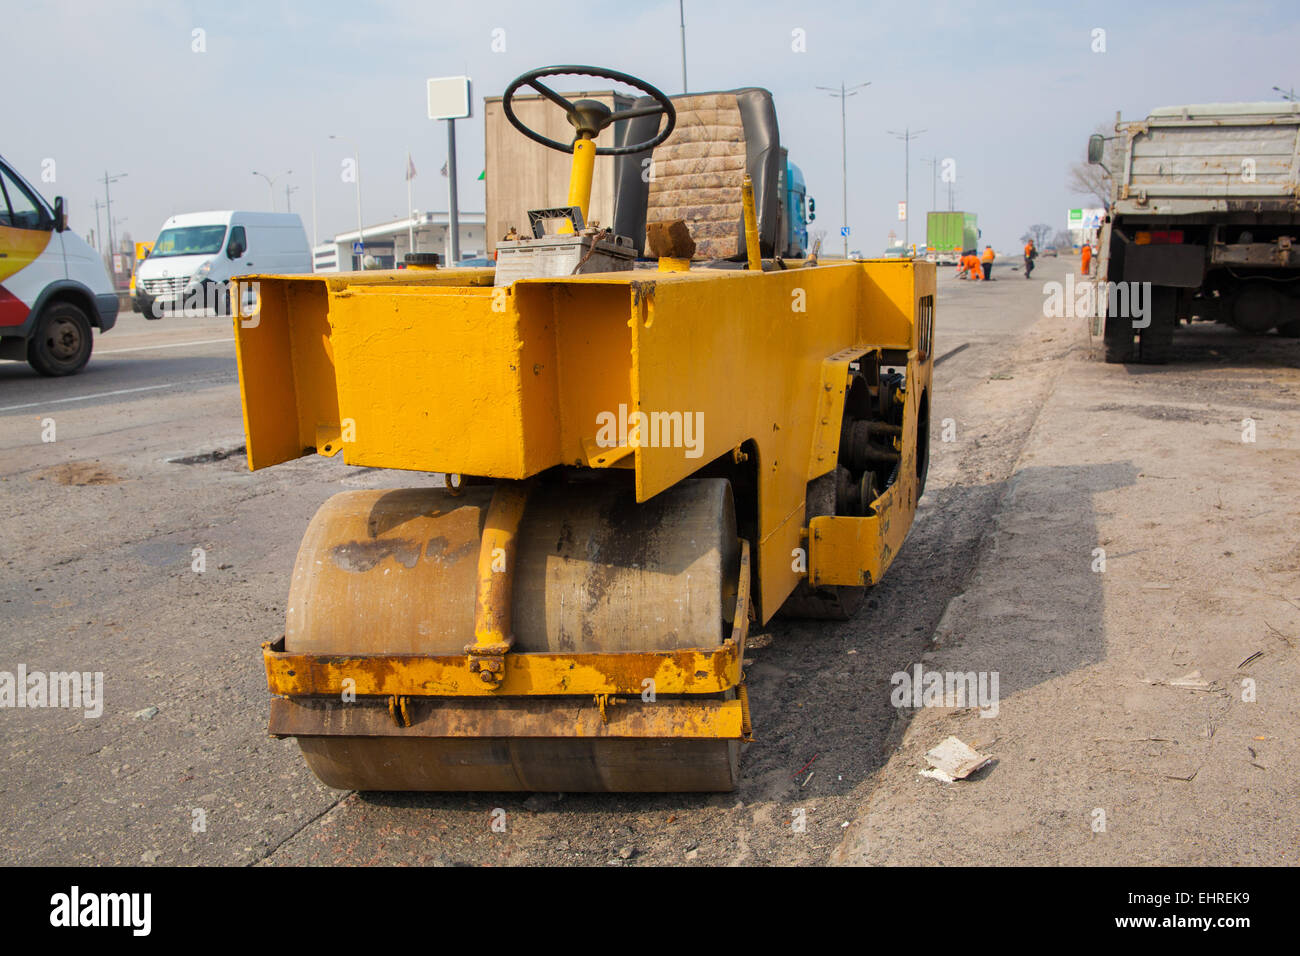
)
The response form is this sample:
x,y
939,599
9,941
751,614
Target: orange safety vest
x,y
1029,248
988,253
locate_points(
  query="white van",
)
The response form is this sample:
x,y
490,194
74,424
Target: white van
x,y
53,286
197,254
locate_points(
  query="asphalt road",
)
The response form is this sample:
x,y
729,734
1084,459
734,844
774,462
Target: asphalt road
x,y
100,529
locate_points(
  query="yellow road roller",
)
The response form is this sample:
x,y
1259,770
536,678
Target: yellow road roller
x,y
652,440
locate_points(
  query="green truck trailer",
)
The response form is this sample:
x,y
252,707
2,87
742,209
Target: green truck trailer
x,y
949,234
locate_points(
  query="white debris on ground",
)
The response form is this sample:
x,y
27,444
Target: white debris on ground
x,y
953,760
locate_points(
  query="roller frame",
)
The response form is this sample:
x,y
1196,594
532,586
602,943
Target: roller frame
x,y
548,695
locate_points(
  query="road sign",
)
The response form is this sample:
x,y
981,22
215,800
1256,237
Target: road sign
x,y
902,212
844,230
449,98
358,248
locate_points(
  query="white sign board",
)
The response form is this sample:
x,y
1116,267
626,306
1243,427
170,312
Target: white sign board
x,y
902,211
449,98
1085,218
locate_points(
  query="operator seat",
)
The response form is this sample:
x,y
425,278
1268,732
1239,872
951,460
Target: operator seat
x,y
698,172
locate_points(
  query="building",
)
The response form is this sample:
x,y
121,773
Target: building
x,y
388,243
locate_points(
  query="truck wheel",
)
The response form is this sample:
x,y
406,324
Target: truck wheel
x,y
146,304
1156,341
1290,330
219,294
1117,341
61,341
1256,309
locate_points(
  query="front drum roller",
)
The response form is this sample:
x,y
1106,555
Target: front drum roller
x,y
395,572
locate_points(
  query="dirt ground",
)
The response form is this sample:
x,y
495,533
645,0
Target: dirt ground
x,y
1154,697
1120,691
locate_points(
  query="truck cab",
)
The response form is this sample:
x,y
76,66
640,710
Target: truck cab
x,y
798,212
54,288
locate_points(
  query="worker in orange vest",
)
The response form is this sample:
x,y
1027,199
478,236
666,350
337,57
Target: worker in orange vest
x,y
1030,254
970,267
1085,259
987,262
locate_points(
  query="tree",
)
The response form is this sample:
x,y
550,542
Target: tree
x,y
1088,180
1039,233
1062,240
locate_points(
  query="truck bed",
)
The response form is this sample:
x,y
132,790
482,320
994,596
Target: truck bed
x,y
1218,157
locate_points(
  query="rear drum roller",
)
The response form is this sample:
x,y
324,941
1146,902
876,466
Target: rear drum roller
x,y
393,572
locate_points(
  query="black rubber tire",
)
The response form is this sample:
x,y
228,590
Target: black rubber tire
x,y
147,305
1156,341
806,603
1291,330
61,342
1117,340
220,297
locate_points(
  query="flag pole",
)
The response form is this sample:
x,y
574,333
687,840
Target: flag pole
x,y
410,224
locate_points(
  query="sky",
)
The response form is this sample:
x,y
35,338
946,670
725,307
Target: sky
x,y
1008,92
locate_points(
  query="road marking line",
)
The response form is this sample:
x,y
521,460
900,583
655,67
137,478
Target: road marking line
x,y
170,345
83,398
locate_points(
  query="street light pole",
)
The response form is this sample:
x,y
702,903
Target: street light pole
x,y
844,93
99,235
108,212
934,180
270,184
1286,94
906,136
315,234
681,9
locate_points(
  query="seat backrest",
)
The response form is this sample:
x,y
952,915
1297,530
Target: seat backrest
x,y
697,172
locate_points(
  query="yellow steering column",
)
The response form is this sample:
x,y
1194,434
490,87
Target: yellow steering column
x,y
580,175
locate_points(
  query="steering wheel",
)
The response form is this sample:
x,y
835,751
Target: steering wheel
x,y
589,117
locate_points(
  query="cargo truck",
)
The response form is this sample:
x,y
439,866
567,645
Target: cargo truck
x,y
949,234
1202,225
